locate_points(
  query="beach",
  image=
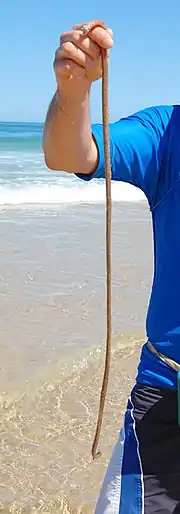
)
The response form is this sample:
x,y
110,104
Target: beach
x,y
53,326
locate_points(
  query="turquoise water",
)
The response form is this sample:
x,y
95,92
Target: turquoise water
x,y
21,136
24,178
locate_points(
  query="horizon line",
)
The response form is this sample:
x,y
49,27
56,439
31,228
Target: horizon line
x,y
22,121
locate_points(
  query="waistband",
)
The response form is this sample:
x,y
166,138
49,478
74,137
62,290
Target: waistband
x,y
173,364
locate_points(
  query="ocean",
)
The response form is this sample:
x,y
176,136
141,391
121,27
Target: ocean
x,y
53,325
24,178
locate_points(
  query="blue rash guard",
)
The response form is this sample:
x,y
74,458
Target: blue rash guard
x,y
145,152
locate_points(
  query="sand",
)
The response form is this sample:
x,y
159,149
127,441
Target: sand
x,y
52,307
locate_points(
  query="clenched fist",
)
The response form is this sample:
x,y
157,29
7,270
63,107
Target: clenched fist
x,y
78,59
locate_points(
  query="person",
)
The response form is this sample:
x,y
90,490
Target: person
x,y
144,472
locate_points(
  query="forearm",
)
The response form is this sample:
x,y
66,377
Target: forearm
x,y
68,144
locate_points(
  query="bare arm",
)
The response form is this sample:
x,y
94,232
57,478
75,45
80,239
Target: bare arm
x,y
68,143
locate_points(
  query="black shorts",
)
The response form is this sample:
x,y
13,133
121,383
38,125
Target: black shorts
x,y
143,476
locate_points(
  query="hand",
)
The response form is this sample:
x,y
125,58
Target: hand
x,y
78,60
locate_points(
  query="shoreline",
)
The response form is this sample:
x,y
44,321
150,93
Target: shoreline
x,y
84,204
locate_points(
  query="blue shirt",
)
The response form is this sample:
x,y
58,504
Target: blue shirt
x,y
145,152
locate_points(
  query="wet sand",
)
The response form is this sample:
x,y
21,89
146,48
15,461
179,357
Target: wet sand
x,y
52,308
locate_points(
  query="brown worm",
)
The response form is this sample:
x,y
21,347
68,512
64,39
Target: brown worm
x,y
86,28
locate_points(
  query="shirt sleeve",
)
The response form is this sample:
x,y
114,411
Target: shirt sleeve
x,y
136,147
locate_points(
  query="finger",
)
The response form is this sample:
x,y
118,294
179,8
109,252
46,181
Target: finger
x,y
100,35
78,26
69,51
84,43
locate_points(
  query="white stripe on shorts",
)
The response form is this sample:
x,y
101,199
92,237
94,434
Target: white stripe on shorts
x,y
123,487
109,499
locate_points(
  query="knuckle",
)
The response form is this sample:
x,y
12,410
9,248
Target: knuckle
x,y
76,26
75,35
55,65
62,37
57,54
72,36
67,47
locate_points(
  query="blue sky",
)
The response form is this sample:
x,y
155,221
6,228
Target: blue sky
x,y
144,63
